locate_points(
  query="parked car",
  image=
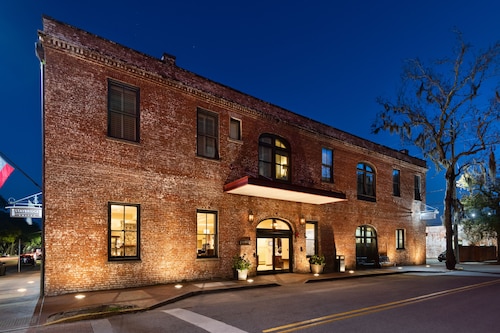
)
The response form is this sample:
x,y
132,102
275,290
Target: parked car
x,y
442,257
27,259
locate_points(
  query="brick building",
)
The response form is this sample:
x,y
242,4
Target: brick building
x,y
153,174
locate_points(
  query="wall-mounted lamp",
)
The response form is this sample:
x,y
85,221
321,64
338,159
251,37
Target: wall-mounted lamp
x,y
302,220
250,216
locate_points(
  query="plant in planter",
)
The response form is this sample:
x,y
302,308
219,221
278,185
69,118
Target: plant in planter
x,y
317,263
241,264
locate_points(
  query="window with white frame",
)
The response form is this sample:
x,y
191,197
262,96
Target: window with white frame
x,y
311,238
235,129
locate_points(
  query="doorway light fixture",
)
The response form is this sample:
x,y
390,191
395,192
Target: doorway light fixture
x,y
250,216
302,220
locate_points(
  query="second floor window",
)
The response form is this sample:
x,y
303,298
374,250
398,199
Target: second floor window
x,y
274,157
366,182
418,193
396,183
327,165
207,134
235,129
123,111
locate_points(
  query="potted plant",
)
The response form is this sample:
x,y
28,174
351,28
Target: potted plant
x,y
241,264
317,263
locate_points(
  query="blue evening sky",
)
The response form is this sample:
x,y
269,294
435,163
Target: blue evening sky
x,y
327,60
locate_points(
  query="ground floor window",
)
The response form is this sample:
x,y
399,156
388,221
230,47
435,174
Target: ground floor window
x,y
311,238
400,239
206,234
123,231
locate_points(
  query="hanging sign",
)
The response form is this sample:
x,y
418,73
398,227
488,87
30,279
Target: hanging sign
x,y
25,212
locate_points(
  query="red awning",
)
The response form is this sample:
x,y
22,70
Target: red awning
x,y
257,187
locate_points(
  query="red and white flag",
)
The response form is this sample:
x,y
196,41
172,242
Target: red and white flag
x,y
5,171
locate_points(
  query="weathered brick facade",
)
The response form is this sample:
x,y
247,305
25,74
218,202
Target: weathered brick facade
x,y
85,169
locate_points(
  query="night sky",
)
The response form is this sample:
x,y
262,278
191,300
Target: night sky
x,y
326,60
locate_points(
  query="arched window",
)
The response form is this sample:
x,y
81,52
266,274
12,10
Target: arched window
x,y
366,182
274,157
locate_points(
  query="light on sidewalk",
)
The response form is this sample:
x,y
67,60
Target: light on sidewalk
x,y
250,280
178,286
80,296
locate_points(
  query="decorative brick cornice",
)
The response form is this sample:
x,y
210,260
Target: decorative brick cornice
x,y
97,57
308,126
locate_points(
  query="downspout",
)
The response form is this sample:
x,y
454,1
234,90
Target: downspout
x,y
40,54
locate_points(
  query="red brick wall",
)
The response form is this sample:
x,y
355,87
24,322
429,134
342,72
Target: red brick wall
x,y
84,170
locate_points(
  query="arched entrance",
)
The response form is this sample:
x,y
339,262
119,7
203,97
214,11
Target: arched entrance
x,y
366,247
274,247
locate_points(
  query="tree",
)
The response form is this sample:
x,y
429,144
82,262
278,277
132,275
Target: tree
x,y
482,202
442,110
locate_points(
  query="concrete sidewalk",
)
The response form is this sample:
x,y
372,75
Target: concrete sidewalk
x,y
97,304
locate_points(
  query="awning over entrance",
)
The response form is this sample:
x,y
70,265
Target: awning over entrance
x,y
256,187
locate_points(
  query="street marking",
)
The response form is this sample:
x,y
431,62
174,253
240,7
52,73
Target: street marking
x,y
206,323
371,309
101,326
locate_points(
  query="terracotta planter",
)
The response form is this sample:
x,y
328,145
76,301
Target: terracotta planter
x,y
242,274
317,269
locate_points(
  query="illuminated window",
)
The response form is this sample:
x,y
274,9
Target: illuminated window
x,y
235,129
208,134
123,231
311,238
396,183
400,239
123,111
327,165
418,193
274,158
366,182
206,234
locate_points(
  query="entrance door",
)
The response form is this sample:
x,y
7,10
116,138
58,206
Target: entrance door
x,y
274,251
366,247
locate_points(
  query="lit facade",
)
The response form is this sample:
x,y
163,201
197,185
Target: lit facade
x,y
153,174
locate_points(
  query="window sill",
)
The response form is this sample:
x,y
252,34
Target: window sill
x,y
367,198
207,259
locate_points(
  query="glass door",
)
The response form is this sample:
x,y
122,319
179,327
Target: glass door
x,y
273,247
